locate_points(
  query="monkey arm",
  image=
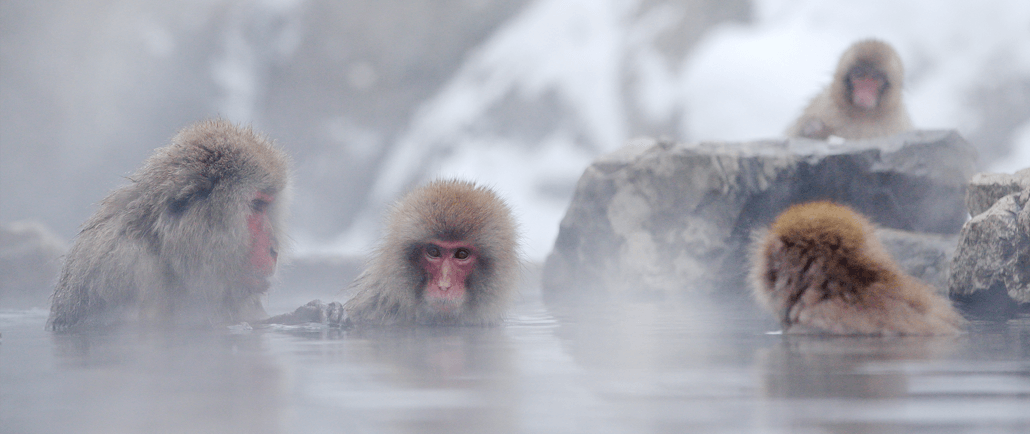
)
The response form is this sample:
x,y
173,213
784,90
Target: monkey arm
x,y
314,312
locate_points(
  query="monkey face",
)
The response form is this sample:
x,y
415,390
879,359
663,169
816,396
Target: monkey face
x,y
263,253
866,84
447,266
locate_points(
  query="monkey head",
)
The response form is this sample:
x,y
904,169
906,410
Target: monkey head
x,y
450,256
223,197
869,77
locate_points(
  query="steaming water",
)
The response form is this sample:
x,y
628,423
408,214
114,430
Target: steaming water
x,y
636,366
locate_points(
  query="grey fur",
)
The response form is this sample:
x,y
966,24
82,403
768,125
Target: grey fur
x,y
172,244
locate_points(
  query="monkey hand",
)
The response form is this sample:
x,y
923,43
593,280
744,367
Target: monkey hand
x,y
315,311
815,129
332,313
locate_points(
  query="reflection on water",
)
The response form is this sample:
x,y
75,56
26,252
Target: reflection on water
x,y
132,381
706,365
835,367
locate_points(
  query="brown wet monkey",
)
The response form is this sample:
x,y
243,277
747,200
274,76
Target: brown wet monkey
x,y
863,101
193,239
450,256
821,269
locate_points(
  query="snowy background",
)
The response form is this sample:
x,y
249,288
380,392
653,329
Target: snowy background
x,y
372,97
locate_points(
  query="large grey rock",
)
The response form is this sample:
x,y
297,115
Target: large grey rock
x,y
993,255
659,216
29,263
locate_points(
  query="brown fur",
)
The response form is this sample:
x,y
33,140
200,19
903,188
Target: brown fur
x,y
172,245
821,269
832,113
389,290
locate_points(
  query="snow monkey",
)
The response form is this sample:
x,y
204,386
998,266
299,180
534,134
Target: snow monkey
x,y
193,239
863,101
821,269
450,256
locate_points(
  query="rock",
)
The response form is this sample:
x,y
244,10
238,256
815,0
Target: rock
x,y
986,188
29,264
991,268
657,216
926,257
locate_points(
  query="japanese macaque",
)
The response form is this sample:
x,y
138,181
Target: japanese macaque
x,y
863,101
821,269
450,256
193,239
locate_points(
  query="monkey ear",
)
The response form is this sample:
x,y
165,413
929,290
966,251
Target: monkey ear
x,y
197,178
196,188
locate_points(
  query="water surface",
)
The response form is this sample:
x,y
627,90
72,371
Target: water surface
x,y
652,366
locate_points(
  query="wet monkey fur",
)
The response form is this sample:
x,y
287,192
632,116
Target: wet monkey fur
x,y
821,269
193,239
863,101
450,256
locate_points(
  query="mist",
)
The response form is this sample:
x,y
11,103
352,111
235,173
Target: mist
x,y
371,98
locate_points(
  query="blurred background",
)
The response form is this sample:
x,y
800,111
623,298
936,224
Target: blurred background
x,y
372,97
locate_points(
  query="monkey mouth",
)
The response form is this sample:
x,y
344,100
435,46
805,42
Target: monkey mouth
x,y
445,307
257,284
866,94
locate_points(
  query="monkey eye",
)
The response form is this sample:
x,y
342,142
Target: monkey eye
x,y
462,254
259,205
433,251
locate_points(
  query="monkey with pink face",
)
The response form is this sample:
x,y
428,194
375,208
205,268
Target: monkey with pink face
x,y
193,239
863,101
450,257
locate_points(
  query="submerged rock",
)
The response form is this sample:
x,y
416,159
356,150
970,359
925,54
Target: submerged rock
x,y
29,263
658,216
991,267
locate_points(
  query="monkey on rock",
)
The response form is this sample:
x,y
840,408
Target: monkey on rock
x,y
864,99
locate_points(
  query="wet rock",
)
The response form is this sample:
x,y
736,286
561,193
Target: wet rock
x,y
986,188
991,268
29,264
657,216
